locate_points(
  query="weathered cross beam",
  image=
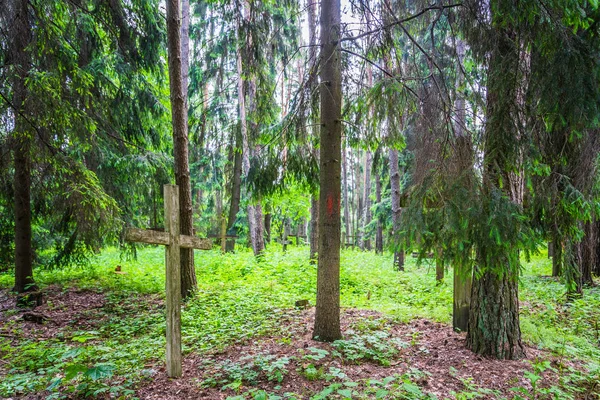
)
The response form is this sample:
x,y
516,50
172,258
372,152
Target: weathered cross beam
x,y
173,242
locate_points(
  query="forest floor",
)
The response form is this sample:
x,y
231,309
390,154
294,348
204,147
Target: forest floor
x,y
100,334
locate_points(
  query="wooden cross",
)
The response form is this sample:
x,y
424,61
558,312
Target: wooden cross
x,y
173,242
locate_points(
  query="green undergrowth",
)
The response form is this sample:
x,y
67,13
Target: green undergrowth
x,y
240,298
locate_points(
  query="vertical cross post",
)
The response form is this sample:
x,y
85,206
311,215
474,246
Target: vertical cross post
x,y
173,283
173,242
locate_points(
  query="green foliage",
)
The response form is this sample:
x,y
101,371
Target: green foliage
x,y
96,97
377,346
248,371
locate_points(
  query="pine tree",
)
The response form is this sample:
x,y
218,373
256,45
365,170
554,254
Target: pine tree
x,y
327,315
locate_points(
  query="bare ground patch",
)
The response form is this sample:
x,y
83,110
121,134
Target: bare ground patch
x,y
433,348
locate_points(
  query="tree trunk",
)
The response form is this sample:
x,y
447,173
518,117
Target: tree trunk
x,y
366,243
367,201
346,205
259,235
223,234
22,139
439,267
463,160
359,202
286,234
268,227
180,143
236,188
327,313
244,130
379,233
219,214
314,209
557,255
494,328
588,253
254,211
596,267
314,226
396,210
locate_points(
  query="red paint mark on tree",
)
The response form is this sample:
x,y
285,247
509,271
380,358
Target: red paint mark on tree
x,y
330,204
333,204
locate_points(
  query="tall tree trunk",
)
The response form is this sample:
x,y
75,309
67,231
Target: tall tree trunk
x,y
314,227
439,266
244,130
327,314
23,141
557,255
346,205
236,188
268,227
352,197
359,201
180,142
254,212
379,233
367,201
494,328
245,144
286,234
366,243
219,214
314,200
596,266
463,160
396,210
590,241
259,236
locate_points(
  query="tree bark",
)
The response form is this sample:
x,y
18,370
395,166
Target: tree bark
x,y
557,255
494,328
268,227
358,190
254,211
314,227
236,188
588,253
596,266
259,235
463,160
346,205
244,131
180,142
286,234
396,210
439,267
367,201
379,233
327,314
314,200
366,243
22,139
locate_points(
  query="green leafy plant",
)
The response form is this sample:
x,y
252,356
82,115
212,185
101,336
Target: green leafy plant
x,y
374,346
